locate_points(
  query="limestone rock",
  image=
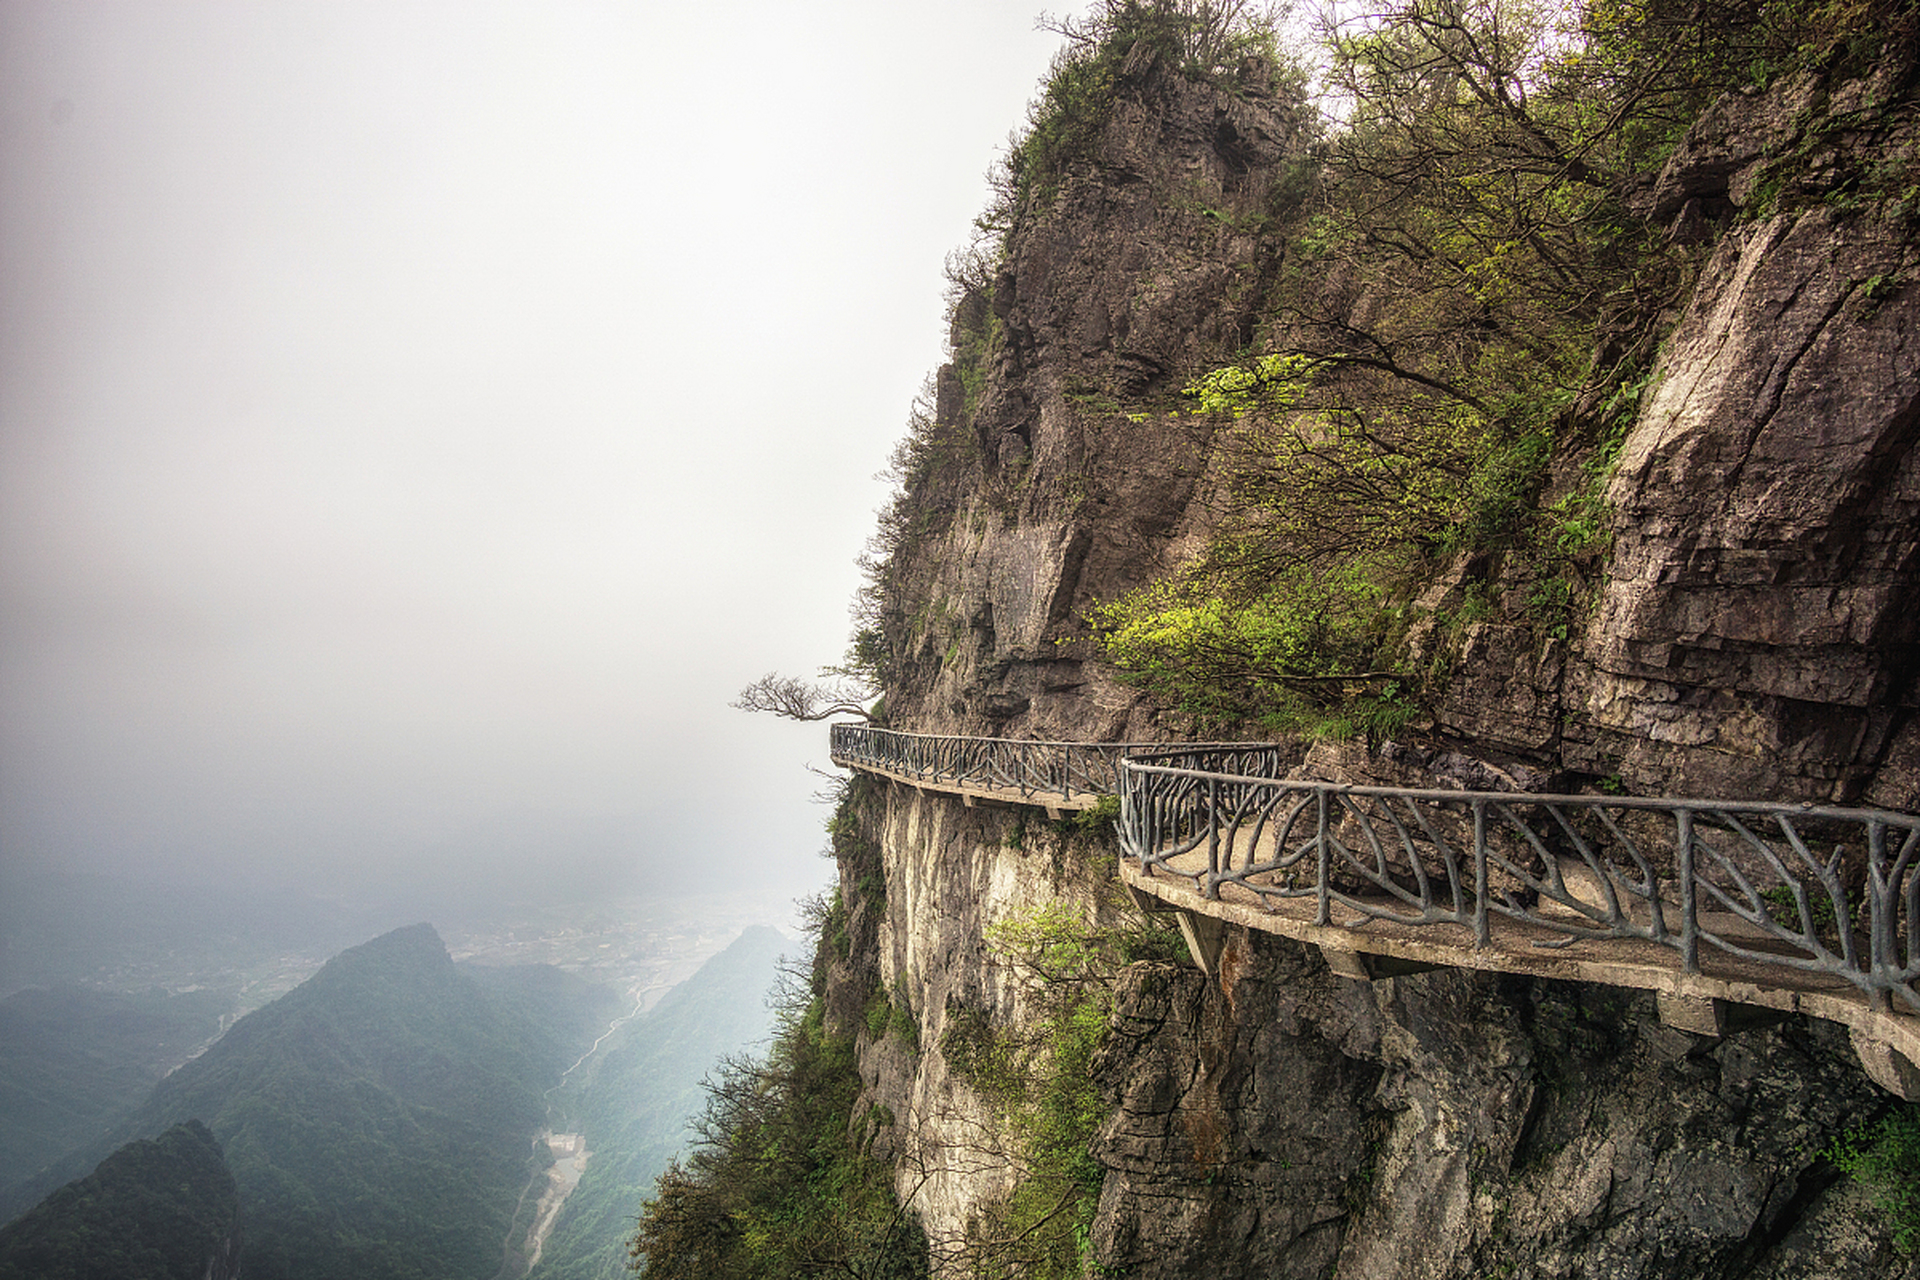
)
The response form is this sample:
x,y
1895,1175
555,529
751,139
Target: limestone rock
x,y
1753,635
1458,1125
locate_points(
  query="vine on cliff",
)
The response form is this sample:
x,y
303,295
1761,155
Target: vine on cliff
x,y
1041,1080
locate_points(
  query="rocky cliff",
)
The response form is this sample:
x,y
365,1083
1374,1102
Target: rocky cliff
x,y
1743,628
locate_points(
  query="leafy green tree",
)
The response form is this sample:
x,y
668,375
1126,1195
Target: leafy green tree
x,y
1468,307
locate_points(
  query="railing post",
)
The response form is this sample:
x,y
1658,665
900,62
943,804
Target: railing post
x,y
1689,911
1323,854
1156,821
1882,960
1482,927
1213,841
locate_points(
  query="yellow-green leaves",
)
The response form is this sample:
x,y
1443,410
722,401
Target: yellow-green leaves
x,y
1272,382
1306,641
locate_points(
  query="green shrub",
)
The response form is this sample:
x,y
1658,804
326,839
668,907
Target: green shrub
x,y
1311,650
1099,820
1885,1158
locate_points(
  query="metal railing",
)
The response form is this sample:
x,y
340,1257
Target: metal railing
x,y
1743,877
1033,770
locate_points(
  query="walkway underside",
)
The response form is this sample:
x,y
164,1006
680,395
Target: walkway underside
x,y
1728,992
972,793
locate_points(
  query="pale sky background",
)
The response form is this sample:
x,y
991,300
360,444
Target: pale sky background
x,y
418,420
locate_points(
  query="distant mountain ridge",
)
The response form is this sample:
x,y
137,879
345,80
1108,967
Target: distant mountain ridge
x,y
377,1118
158,1209
74,1063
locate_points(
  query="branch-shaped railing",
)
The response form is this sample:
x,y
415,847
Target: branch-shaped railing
x,y
1821,891
1752,879
1032,770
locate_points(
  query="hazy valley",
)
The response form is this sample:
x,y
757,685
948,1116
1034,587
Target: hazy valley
x,y
387,1109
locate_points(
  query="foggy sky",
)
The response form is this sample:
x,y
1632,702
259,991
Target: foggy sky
x,y
418,420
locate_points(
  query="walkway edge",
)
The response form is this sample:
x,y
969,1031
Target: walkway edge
x,y
1898,1033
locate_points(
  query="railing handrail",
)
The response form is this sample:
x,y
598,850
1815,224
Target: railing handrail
x,y
1138,757
1023,768
1800,809
1576,865
1143,747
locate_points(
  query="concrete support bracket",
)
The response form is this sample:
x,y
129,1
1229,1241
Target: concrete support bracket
x,y
1365,966
1205,937
1887,1066
1690,1013
1146,902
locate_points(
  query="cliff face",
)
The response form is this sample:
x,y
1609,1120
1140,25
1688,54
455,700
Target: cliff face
x,y
1146,264
1287,1122
1754,634
1749,632
1283,1121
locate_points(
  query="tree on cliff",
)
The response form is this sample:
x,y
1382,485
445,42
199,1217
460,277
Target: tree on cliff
x,y
797,699
1468,310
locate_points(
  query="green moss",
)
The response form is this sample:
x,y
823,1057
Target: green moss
x,y
879,1013
901,1022
837,935
1884,1157
1041,1079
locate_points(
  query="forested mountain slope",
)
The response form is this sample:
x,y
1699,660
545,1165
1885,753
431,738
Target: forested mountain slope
x,y
378,1118
640,1095
157,1209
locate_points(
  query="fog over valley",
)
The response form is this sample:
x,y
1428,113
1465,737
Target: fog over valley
x,y
418,420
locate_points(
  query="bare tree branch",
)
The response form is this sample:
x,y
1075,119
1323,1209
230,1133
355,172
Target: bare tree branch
x,y
797,699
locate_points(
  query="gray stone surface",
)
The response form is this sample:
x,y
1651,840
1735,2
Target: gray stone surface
x,y
1455,1125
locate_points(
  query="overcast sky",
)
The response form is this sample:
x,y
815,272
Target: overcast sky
x,y
418,420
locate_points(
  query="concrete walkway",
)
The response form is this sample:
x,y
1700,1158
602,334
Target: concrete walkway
x,y
1727,993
